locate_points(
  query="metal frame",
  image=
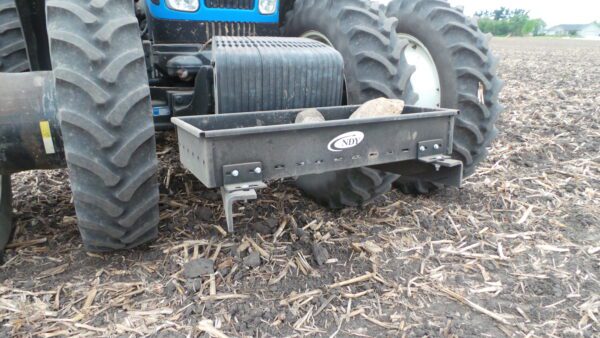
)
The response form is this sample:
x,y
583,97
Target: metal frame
x,y
239,152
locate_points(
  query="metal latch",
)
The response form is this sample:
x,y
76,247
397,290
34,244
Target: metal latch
x,y
241,182
448,170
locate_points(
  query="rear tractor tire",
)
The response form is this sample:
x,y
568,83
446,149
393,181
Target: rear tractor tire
x,y
374,67
13,50
454,55
105,116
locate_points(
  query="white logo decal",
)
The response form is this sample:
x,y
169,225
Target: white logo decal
x,y
346,141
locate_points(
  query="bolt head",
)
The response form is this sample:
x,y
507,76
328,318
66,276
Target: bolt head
x,y
422,148
258,170
436,146
235,173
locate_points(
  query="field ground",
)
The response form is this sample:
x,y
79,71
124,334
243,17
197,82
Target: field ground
x,y
516,252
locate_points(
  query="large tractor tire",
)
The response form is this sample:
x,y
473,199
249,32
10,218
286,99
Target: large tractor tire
x,y
13,50
374,66
455,69
105,116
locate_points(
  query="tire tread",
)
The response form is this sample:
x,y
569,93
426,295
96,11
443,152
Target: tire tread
x,y
472,60
13,49
109,142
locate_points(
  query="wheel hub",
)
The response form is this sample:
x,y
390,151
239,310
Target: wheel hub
x,y
426,80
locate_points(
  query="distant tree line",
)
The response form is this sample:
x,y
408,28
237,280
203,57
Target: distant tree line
x,y
513,22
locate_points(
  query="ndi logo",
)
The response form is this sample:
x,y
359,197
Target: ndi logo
x,y
346,141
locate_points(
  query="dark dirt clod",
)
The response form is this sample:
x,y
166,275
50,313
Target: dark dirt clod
x,y
198,268
320,254
212,195
204,214
252,260
170,288
193,285
265,227
261,227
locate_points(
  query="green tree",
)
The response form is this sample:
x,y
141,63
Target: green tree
x,y
535,27
514,22
502,13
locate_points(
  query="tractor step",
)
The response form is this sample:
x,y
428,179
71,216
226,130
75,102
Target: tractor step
x,y
240,152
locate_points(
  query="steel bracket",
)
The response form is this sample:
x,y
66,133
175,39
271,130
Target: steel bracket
x,y
448,171
241,182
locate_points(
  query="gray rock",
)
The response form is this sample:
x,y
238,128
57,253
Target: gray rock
x,y
310,116
198,268
252,260
378,108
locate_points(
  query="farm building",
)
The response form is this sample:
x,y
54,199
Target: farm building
x,y
585,31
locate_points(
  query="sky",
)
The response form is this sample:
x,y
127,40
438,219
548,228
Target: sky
x,y
553,12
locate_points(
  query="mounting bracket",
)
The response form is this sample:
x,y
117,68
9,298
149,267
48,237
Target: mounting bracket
x,y
448,170
241,182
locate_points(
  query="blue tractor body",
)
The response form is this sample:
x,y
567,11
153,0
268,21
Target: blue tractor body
x,y
167,25
180,50
214,11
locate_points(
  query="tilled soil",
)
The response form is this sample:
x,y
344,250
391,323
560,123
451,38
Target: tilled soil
x,y
516,252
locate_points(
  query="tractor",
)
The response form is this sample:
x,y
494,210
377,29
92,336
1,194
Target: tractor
x,y
84,84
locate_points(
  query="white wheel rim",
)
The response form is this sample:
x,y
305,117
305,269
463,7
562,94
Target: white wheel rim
x,y
426,80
